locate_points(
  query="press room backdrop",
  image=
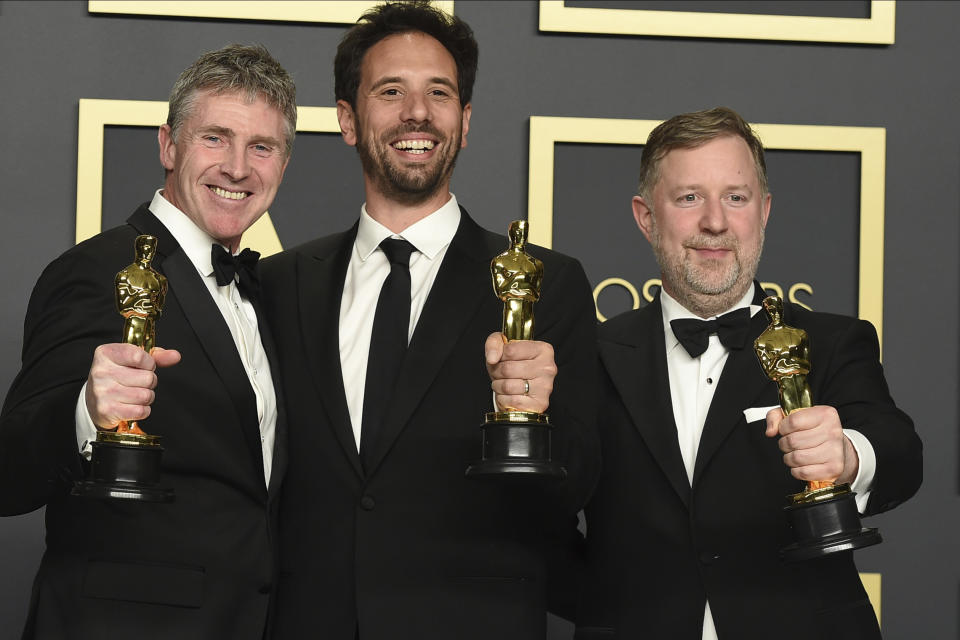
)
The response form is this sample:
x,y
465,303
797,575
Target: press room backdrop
x,y
857,102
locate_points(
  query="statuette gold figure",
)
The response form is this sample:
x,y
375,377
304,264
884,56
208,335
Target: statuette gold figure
x,y
517,280
784,353
140,293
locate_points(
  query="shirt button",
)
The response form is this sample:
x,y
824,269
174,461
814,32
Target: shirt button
x,y
236,306
255,372
367,503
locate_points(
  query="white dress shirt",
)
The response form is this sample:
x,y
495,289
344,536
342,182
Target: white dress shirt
x,y
692,384
366,272
237,312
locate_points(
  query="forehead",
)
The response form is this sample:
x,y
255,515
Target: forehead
x,y
726,159
407,56
210,106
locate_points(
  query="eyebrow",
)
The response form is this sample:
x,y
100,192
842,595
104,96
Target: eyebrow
x,y
694,186
397,79
228,132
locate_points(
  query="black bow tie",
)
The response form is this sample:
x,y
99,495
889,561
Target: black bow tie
x,y
243,265
732,329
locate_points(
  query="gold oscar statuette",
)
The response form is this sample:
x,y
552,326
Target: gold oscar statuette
x,y
515,441
824,515
125,463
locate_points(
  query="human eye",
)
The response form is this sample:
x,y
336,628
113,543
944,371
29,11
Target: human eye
x,y
211,139
686,199
737,198
262,150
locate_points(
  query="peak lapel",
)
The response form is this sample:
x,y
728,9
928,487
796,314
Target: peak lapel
x,y
462,284
636,359
741,384
320,289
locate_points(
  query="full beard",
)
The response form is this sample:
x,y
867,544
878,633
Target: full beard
x,y
408,185
710,287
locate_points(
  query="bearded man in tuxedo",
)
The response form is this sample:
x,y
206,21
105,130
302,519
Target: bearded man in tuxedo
x,y
684,529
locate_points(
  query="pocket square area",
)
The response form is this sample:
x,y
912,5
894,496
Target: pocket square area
x,y
757,413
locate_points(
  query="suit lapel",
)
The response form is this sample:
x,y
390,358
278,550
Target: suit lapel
x,y
319,281
741,384
204,317
462,284
635,356
279,464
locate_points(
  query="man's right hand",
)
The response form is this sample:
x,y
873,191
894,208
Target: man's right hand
x,y
121,382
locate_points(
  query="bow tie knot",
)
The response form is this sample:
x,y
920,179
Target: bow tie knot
x,y
243,266
732,329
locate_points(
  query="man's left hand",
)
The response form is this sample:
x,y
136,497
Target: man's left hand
x,y
515,366
813,444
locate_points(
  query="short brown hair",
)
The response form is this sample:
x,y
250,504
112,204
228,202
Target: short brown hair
x,y
690,130
247,69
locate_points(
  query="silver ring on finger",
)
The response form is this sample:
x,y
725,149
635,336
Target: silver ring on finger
x,y
526,387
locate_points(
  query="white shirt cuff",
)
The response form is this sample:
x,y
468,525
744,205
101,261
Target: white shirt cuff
x,y
86,430
863,483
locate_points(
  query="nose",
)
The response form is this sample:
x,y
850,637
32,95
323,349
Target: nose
x,y
236,165
416,108
714,218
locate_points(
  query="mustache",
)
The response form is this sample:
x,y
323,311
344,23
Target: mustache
x,y
704,241
403,130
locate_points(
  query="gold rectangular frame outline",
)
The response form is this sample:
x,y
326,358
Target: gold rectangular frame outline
x,y
879,28
869,142
339,12
95,115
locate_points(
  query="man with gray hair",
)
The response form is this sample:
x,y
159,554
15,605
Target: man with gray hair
x,y
202,566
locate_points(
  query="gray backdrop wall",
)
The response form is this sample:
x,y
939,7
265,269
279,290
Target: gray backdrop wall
x,y
56,53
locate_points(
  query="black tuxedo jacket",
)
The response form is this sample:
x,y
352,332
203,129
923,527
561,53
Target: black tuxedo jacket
x,y
412,548
201,567
657,547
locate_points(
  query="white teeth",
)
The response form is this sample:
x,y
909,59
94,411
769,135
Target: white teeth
x,y
230,195
414,146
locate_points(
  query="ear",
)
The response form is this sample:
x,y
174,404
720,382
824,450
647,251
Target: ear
x,y
467,110
766,210
168,148
348,122
643,214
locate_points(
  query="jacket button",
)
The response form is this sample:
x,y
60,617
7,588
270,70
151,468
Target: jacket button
x,y
708,557
367,503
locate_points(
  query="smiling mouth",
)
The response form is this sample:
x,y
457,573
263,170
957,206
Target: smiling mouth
x,y
415,147
229,195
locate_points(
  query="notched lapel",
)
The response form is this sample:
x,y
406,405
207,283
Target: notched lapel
x,y
320,283
638,367
741,384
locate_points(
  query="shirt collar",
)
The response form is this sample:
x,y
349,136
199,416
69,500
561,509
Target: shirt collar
x,y
673,310
192,239
428,236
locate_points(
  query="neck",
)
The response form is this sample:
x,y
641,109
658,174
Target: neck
x,y
397,216
707,305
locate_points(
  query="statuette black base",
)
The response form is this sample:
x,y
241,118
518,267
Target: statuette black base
x,y
826,521
120,470
516,444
